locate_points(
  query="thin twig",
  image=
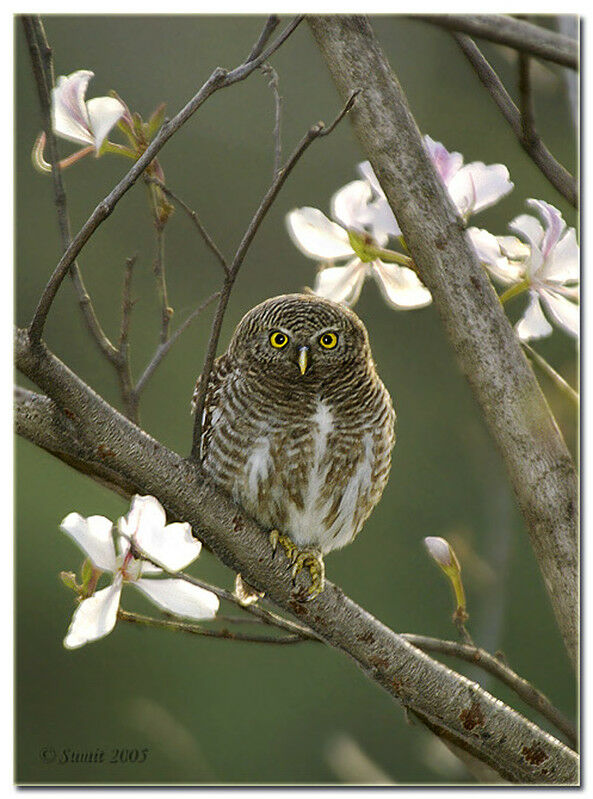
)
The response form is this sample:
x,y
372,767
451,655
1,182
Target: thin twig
x,y
219,79
164,347
512,32
526,99
42,62
271,24
274,84
552,373
127,303
479,657
122,362
265,615
553,170
194,629
315,132
195,219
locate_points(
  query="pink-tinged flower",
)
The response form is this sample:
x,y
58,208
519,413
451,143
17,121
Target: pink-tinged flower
x,y
356,238
80,121
547,266
171,545
472,187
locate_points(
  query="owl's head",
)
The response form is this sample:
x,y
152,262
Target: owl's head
x,y
301,338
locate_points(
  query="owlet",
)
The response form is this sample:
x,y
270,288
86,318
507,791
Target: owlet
x,y
299,428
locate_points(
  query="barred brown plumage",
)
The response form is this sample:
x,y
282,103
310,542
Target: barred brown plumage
x,y
298,427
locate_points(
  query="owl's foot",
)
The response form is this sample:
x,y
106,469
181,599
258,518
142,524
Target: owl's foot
x,y
311,560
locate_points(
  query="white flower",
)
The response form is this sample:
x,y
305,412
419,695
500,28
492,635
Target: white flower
x,y
548,267
326,241
172,545
472,187
80,121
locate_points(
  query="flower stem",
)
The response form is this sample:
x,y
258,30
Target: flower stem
x,y
552,374
514,291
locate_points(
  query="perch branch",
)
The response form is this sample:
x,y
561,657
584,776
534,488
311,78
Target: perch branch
x,y
77,426
515,33
492,665
489,354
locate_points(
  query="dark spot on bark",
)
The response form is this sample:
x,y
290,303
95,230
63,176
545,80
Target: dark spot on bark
x,y
366,638
475,282
297,607
105,452
381,664
472,716
69,414
534,754
440,243
238,525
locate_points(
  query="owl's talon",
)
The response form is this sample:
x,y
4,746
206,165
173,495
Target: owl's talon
x,y
313,562
274,538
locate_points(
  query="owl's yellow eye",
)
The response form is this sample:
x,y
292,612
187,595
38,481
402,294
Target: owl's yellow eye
x,y
328,340
278,339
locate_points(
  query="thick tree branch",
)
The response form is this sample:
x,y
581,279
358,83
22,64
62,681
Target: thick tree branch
x,y
76,425
515,33
491,664
488,352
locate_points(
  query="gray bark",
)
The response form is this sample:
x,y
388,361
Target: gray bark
x,y
76,425
540,467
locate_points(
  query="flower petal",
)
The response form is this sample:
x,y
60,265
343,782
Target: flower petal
x,y
401,287
488,250
180,597
341,283
349,204
447,164
94,537
70,117
563,263
103,114
379,215
95,617
564,312
367,173
172,545
477,186
316,236
533,324
553,224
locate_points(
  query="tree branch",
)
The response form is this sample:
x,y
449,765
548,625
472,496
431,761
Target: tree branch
x,y
523,129
489,663
76,425
516,33
488,352
219,79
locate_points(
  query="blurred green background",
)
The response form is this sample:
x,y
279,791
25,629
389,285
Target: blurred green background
x,y
214,711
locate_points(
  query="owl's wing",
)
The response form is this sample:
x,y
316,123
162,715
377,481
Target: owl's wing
x,y
218,375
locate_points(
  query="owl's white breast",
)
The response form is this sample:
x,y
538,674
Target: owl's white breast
x,y
306,521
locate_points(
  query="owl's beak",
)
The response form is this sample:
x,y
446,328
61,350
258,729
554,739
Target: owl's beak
x,y
303,359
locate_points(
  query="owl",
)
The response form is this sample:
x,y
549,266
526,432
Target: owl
x,y
298,428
